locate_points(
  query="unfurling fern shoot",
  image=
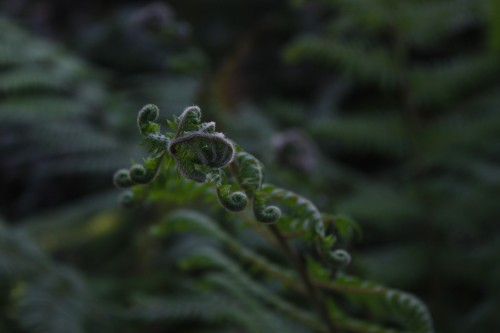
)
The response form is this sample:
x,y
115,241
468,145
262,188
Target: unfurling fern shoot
x,y
202,155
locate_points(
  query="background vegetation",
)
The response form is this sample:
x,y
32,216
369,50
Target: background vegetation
x,y
385,111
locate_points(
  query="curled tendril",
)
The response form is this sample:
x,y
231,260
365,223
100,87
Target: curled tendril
x,y
127,199
235,201
145,119
121,179
339,257
249,172
189,120
208,127
140,175
263,213
212,150
145,174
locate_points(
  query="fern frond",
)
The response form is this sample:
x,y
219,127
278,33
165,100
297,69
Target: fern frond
x,y
373,133
243,284
379,205
189,221
77,223
30,79
443,19
208,307
45,90
186,220
360,62
373,18
56,139
194,149
19,257
54,303
249,173
440,84
40,108
303,216
45,297
409,311
268,321
458,138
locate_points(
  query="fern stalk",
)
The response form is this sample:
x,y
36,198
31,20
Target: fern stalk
x,y
312,292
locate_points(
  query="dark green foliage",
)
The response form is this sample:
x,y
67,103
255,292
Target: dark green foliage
x,y
383,110
49,102
49,298
415,130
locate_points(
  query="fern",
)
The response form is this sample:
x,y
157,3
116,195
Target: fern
x,y
411,136
379,67
52,122
243,287
19,257
47,297
204,156
53,304
398,305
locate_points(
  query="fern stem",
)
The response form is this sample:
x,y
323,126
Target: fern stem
x,y
308,287
311,290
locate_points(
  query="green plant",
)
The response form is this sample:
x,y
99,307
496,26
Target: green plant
x,y
410,119
205,159
51,127
47,296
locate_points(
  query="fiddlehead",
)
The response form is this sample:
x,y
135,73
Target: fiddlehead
x,y
138,173
249,172
127,199
121,179
196,145
263,213
189,120
145,120
235,201
197,150
212,150
145,174
339,257
150,130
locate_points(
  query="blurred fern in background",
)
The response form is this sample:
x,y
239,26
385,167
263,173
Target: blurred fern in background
x,y
51,123
415,133
62,118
